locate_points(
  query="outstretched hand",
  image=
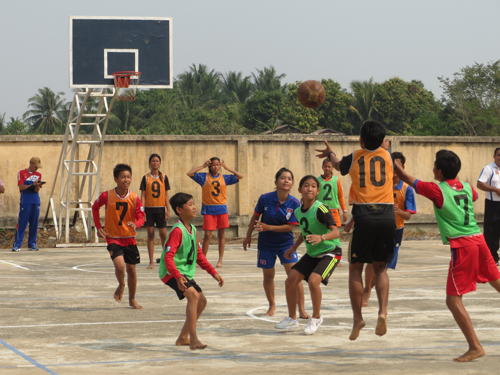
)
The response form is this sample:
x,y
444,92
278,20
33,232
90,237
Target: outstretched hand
x,y
324,153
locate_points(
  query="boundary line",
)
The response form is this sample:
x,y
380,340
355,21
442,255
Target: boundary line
x,y
26,357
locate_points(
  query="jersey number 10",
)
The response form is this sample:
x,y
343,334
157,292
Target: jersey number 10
x,y
373,180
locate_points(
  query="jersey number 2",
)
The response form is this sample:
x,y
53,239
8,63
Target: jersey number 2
x,y
373,180
328,195
463,197
125,209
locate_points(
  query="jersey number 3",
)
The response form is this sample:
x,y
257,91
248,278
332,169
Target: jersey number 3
x,y
216,188
373,180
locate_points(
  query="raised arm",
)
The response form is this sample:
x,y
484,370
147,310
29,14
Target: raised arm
x,y
196,169
328,153
398,169
238,175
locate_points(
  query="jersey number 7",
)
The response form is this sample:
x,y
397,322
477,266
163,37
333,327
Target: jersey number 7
x,y
124,212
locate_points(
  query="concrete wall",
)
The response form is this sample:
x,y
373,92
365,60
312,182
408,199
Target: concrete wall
x,y
256,157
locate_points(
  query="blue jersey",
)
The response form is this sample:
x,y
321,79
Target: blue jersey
x,y
275,213
214,192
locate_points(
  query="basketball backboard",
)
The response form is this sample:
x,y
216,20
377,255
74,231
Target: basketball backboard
x,y
99,46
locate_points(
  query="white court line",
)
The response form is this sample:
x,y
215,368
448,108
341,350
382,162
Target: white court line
x,y
251,314
15,265
440,256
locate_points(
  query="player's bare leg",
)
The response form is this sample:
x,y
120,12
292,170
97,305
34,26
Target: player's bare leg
x,y
269,289
462,318
195,306
222,244
382,289
314,282
294,278
206,242
356,295
369,284
151,247
300,293
495,284
119,264
132,286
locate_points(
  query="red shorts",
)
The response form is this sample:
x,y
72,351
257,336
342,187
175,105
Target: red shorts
x,y
212,222
470,265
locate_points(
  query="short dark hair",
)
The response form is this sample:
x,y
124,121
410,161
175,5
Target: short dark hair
x,y
215,158
281,171
449,163
498,148
372,133
120,168
179,200
154,156
398,155
308,177
327,160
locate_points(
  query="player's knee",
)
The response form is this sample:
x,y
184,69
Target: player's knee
x,y
192,295
131,270
379,267
314,280
208,235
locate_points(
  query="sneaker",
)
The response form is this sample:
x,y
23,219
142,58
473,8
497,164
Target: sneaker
x,y
15,249
287,323
34,248
313,325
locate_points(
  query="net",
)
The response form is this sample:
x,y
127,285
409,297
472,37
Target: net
x,y
126,85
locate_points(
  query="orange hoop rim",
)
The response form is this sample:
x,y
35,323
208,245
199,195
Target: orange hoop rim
x,y
126,74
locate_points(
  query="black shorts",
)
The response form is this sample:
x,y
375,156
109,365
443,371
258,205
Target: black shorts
x,y
130,253
322,266
190,283
372,241
155,215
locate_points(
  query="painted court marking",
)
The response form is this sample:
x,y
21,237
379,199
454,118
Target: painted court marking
x,y
28,358
15,265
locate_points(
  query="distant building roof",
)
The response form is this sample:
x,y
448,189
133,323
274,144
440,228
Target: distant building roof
x,y
286,129
327,131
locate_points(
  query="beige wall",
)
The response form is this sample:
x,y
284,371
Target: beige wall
x,y
256,157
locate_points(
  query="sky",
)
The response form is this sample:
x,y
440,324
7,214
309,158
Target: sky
x,y
341,40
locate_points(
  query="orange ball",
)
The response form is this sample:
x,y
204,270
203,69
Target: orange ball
x,y
311,94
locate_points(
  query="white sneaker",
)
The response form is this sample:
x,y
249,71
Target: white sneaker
x,y
313,325
287,323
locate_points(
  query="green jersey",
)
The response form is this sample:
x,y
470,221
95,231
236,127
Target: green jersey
x,y
329,192
186,255
456,218
309,224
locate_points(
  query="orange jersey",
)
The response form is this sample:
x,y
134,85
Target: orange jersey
x,y
155,192
119,211
213,192
399,200
371,174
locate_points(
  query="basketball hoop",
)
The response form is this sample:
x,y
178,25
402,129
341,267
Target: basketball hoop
x,y
126,85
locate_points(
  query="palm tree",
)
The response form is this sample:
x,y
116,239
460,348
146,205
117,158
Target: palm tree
x,y
44,113
364,99
236,88
267,80
2,122
199,86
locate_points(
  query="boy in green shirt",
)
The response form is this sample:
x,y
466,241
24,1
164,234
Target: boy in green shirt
x,y
181,253
471,260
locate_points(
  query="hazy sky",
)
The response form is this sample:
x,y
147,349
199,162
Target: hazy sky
x,y
342,40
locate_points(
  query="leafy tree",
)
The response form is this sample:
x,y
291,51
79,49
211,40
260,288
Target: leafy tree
x,y
474,94
237,88
265,110
268,80
363,106
2,122
399,103
294,113
16,127
333,113
199,87
45,111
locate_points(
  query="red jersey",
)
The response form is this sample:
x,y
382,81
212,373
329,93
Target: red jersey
x,y
174,242
138,215
25,177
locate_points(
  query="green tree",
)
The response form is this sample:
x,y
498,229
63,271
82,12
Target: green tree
x,y
16,127
44,113
237,88
474,94
2,122
363,103
268,80
399,103
266,110
333,113
200,87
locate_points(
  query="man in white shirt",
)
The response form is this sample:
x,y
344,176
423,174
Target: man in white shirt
x,y
489,182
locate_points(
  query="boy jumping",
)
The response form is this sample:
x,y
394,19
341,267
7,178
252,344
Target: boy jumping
x,y
471,260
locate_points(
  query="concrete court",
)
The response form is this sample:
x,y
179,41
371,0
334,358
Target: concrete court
x,y
58,316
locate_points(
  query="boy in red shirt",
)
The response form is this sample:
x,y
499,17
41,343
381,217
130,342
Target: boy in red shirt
x,y
124,214
471,260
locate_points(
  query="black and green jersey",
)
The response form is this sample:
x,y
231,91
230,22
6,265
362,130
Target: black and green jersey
x,y
456,218
310,223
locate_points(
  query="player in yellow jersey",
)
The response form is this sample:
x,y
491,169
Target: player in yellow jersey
x,y
213,207
371,172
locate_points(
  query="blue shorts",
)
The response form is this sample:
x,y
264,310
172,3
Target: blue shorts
x,y
266,258
398,238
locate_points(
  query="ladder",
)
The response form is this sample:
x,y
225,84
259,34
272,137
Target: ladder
x,y
84,173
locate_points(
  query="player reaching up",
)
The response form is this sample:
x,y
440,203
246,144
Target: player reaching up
x,y
124,214
371,171
323,255
213,202
471,260
181,253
